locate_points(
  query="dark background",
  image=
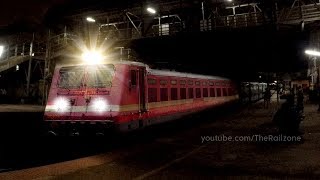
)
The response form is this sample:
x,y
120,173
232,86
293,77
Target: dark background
x,y
239,54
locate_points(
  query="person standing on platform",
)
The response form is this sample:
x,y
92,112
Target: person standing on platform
x,y
287,118
267,97
300,98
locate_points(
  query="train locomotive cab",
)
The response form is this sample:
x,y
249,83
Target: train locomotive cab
x,y
125,96
94,98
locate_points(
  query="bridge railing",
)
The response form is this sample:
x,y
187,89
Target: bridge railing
x,y
59,42
132,33
236,21
23,49
36,49
297,14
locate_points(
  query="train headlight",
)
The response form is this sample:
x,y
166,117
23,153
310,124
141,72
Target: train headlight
x,y
99,105
61,104
92,57
1,50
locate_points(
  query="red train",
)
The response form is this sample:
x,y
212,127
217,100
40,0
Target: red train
x,y
127,96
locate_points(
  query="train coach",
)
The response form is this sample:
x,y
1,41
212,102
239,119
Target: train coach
x,y
252,91
128,95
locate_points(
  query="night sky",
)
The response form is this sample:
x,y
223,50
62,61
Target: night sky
x,y
239,54
31,11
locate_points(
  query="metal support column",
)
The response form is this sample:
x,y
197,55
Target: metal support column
x,y
8,52
46,70
22,54
29,66
202,8
160,28
16,50
65,35
135,27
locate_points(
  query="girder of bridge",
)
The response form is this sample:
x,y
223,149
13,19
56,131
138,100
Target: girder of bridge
x,y
134,23
37,54
300,11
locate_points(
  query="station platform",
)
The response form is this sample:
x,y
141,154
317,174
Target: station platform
x,y
190,154
21,108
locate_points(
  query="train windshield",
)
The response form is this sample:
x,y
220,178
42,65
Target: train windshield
x,y
100,76
92,76
71,77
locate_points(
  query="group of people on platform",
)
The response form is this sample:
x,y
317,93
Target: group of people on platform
x,y
290,114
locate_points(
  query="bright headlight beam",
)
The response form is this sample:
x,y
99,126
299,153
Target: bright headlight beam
x,y
99,105
90,19
151,10
1,50
312,52
92,57
61,104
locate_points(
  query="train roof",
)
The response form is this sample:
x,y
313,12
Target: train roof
x,y
254,83
182,74
159,72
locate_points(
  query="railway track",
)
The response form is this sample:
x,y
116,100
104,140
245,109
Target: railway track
x,y
35,151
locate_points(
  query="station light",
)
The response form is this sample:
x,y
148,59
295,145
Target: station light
x,y
151,10
1,50
92,57
312,52
229,0
90,19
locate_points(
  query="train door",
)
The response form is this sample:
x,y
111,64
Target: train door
x,y
137,86
142,89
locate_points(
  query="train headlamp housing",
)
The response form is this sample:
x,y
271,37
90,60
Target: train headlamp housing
x,y
62,104
99,105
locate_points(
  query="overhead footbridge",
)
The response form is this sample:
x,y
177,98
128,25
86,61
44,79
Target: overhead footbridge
x,y
14,55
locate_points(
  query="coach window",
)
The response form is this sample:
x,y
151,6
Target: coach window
x,y
152,82
224,90
218,92
182,82
183,93
190,93
217,84
173,82
197,83
212,92
211,83
205,92
174,94
198,93
133,77
163,82
204,83
152,95
163,94
190,82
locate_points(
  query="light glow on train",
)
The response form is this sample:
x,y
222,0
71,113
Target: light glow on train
x,y
99,105
92,57
61,104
